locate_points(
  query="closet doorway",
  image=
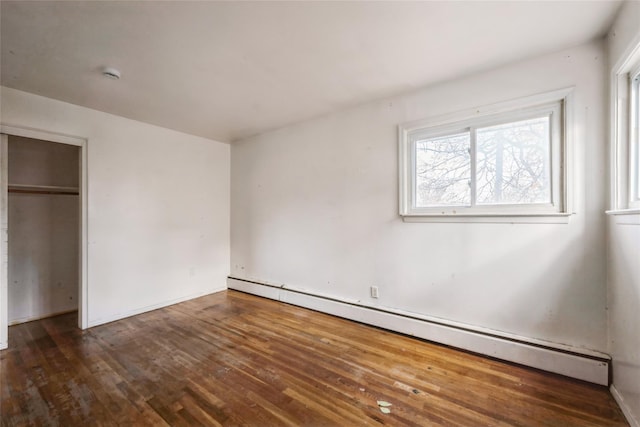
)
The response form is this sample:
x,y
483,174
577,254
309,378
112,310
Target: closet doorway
x,y
43,217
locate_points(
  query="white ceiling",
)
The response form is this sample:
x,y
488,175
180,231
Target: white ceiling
x,y
228,70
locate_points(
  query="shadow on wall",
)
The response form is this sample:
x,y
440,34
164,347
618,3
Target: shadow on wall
x,y
519,284
515,278
624,309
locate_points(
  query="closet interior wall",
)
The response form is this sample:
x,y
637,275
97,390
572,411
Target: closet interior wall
x,y
43,238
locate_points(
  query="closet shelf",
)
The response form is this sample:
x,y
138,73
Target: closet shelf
x,y
42,189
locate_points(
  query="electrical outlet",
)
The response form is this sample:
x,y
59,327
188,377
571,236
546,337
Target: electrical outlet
x,y
374,292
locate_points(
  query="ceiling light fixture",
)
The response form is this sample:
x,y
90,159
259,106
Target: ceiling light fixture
x,y
111,73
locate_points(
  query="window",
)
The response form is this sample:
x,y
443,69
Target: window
x,y
502,160
634,138
625,137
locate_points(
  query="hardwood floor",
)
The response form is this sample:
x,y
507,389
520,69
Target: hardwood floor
x,y
236,359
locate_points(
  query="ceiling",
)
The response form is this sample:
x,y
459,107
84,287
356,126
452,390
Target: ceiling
x,y
229,70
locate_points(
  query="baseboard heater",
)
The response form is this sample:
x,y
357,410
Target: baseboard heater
x,y
583,365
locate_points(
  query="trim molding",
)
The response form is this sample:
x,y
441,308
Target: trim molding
x,y
587,367
83,285
4,240
119,316
633,421
623,212
40,317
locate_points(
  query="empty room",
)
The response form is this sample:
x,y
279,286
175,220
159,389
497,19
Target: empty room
x,y
314,213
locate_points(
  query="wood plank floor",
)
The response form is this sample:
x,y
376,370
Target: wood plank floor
x,y
236,359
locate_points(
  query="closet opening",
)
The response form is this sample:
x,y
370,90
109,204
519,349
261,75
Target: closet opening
x,y
43,225
43,234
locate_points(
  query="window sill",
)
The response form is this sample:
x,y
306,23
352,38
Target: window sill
x,y
615,212
625,216
507,218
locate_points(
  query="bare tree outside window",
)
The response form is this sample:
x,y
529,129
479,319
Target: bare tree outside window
x,y
443,171
512,163
512,166
510,159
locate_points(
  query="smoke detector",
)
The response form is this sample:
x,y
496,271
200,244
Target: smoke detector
x,y
111,73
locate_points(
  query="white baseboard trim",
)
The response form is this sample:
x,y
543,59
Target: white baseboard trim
x,y
563,362
123,315
39,317
631,418
4,345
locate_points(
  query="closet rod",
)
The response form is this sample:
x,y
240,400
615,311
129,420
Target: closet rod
x,y
43,189
50,192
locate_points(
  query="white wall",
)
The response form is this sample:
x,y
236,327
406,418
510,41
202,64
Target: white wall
x,y
158,206
315,206
43,231
624,257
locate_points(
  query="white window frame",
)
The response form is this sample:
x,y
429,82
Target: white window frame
x,y
634,138
625,136
556,104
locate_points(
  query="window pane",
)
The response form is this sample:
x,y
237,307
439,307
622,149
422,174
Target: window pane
x,y
443,169
635,122
513,163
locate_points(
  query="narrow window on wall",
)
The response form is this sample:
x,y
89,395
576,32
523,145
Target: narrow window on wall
x,y
634,138
625,135
506,163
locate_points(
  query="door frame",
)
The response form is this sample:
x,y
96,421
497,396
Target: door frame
x,y
83,288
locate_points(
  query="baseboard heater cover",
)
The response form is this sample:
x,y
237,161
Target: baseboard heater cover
x,y
574,365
